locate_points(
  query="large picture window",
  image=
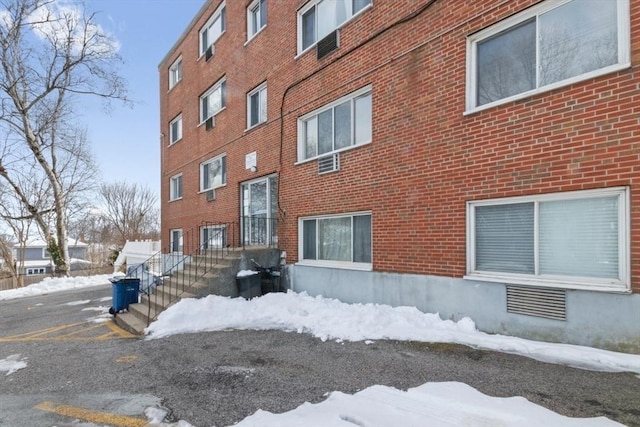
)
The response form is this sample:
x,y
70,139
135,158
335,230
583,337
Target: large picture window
x,y
213,173
572,240
555,43
343,124
319,17
343,240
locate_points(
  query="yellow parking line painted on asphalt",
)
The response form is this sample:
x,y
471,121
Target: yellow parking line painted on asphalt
x,y
127,359
72,332
92,416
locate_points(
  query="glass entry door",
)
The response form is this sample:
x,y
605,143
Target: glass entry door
x,y
260,211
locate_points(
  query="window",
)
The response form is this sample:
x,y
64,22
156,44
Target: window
x,y
213,173
343,124
256,17
549,45
213,29
175,72
343,240
257,106
34,271
569,240
175,130
320,17
45,253
175,187
213,100
176,240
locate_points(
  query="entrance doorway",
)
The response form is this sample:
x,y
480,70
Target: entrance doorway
x,y
259,217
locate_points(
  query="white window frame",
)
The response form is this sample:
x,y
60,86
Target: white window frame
x,y
220,13
217,85
622,284
172,190
175,72
312,4
254,10
175,138
172,240
223,165
303,119
363,266
624,55
35,271
261,92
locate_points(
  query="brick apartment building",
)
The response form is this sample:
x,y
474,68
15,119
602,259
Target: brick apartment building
x,y
472,158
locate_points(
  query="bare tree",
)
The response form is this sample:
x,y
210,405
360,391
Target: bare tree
x,y
51,53
131,210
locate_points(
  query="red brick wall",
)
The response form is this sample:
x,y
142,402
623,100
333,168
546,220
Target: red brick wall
x,y
427,158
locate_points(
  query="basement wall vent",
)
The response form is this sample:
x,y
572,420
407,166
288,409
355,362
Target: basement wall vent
x,y
327,44
538,302
329,164
211,195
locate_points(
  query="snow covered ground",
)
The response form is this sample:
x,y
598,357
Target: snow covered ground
x,y
433,404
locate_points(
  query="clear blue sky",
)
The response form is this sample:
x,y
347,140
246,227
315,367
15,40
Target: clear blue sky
x,y
125,142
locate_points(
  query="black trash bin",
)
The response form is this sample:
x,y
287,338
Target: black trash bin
x,y
249,285
124,292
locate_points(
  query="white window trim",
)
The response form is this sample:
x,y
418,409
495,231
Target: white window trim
x,y
172,69
249,16
258,89
624,53
172,197
209,91
303,119
177,118
211,160
304,10
622,285
202,49
344,265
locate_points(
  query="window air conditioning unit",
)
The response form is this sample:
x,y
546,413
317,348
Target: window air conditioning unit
x,y
209,53
329,164
327,44
210,123
211,195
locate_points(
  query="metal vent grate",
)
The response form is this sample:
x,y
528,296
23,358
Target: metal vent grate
x,y
327,44
539,302
329,164
211,195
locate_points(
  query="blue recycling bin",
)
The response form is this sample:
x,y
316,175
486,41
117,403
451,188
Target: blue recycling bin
x,y
124,292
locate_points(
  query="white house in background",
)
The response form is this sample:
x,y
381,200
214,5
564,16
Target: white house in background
x,y
34,258
136,252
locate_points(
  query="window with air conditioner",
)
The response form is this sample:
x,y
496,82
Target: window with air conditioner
x,y
338,126
175,72
257,106
175,187
213,100
213,29
342,241
213,173
552,44
175,130
320,17
256,18
576,240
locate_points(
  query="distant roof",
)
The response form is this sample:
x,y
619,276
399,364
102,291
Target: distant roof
x,y
39,243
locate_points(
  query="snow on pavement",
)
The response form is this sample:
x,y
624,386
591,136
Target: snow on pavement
x,y
12,364
49,285
330,319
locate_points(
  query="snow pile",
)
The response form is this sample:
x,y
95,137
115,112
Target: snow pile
x,y
12,364
330,319
49,285
432,404
246,273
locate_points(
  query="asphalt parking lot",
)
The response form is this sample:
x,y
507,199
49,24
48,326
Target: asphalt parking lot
x,y
78,369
